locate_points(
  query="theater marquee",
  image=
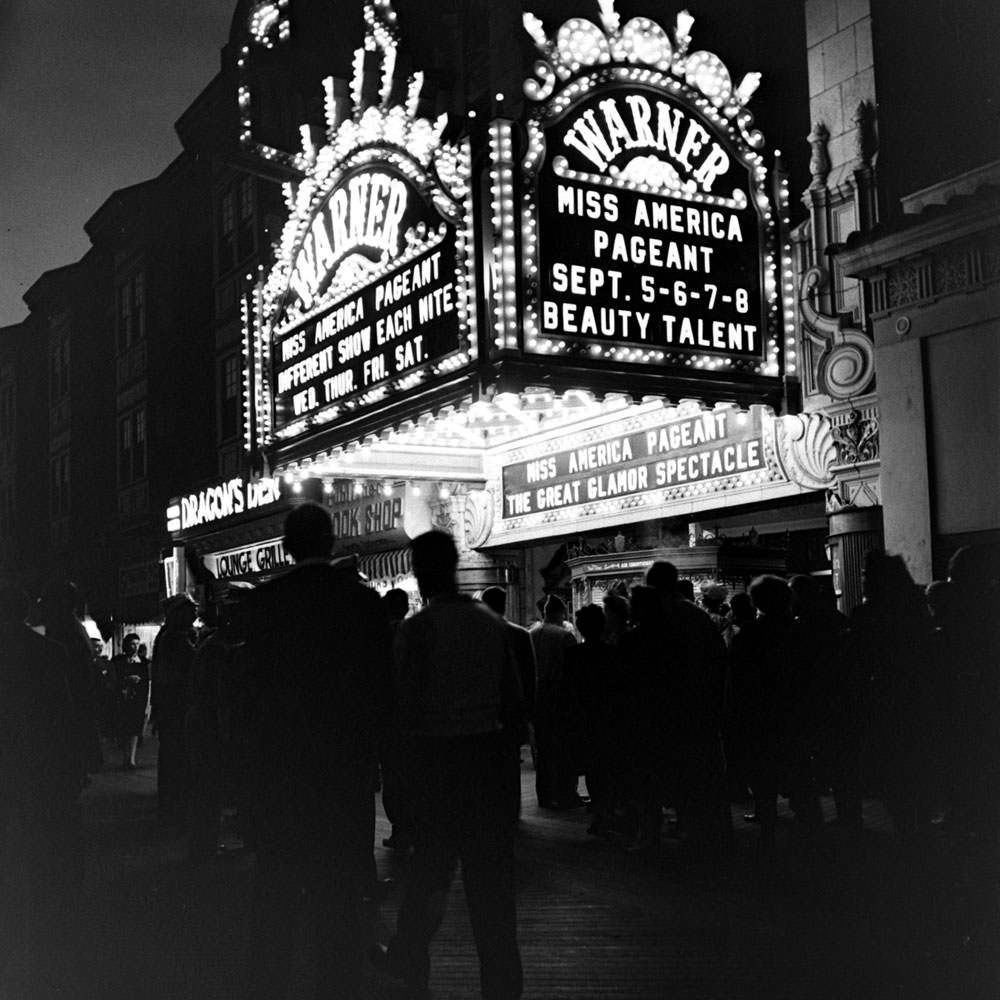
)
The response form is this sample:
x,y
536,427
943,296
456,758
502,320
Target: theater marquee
x,y
371,296
649,235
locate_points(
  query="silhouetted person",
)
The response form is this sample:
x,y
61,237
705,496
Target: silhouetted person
x,y
647,733
890,636
835,704
395,794
741,611
519,638
591,700
318,659
555,786
173,656
132,687
457,686
57,611
616,612
696,655
206,722
40,786
770,699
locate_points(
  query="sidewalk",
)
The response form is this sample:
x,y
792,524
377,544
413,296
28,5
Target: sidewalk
x,y
853,917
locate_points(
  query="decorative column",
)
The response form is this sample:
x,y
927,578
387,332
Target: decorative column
x,y
853,534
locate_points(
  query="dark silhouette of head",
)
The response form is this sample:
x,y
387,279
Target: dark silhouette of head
x,y
616,612
396,603
806,596
887,581
590,622
662,576
435,559
555,610
742,609
647,603
180,611
309,532
685,588
973,571
495,598
59,598
14,604
771,595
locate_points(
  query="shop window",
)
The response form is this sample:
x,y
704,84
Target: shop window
x,y
131,319
132,446
59,370
59,484
230,396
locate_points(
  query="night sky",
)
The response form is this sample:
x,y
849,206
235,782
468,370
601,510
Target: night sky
x,y
89,93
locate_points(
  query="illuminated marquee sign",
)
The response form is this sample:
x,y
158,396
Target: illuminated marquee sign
x,y
725,446
372,292
648,235
225,500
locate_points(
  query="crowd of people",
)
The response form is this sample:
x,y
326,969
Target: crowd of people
x,y
674,709
298,700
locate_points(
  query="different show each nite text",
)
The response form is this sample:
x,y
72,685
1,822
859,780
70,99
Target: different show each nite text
x,y
685,451
677,278
360,343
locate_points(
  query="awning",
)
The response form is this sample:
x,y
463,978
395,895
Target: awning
x,y
386,567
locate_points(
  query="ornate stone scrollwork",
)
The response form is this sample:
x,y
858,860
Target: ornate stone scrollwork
x,y
857,439
804,444
846,362
478,517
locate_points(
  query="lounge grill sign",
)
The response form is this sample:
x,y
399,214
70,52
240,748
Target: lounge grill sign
x,y
721,445
649,235
620,264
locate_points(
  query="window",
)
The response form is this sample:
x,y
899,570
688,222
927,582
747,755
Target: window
x,y
131,311
230,396
227,232
132,446
246,199
59,370
59,484
246,240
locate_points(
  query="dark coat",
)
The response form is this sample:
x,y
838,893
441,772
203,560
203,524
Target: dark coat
x,y
318,668
39,762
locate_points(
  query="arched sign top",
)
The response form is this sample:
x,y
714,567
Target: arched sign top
x,y
649,236
371,293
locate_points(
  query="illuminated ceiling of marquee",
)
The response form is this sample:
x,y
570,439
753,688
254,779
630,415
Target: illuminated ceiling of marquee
x,y
451,444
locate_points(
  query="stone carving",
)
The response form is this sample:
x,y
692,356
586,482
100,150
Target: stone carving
x,y
857,438
865,136
805,446
845,363
478,517
819,162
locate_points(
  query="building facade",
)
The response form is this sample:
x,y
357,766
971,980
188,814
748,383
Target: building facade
x,y
584,287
